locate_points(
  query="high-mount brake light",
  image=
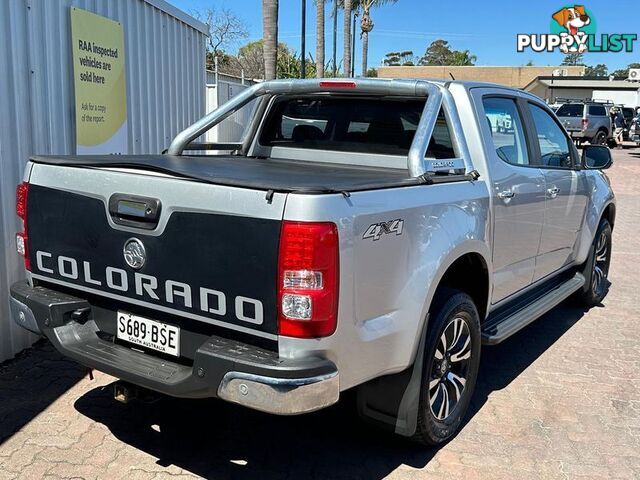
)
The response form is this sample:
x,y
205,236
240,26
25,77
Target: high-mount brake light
x,y
22,239
308,279
337,84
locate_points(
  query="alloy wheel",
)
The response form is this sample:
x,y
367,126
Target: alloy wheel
x,y
600,264
450,366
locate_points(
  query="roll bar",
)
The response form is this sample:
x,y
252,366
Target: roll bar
x,y
437,97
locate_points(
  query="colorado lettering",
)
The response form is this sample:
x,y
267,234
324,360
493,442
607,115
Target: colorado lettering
x,y
182,295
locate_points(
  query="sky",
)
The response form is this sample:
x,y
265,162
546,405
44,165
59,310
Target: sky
x,y
487,28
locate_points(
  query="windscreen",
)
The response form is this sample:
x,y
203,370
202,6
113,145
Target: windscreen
x,y
348,124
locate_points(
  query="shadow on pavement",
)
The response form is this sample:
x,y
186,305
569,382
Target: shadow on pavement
x,y
30,383
215,439
502,363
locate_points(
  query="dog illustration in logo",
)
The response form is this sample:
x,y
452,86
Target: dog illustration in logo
x,y
573,19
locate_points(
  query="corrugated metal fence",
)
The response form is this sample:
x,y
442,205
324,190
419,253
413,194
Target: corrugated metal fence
x,y
220,89
164,54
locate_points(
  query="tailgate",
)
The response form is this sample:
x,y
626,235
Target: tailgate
x,y
571,124
210,254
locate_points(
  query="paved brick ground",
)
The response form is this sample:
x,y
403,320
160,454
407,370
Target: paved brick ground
x,y
560,400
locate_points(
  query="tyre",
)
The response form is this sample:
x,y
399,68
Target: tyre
x,y
599,138
450,367
596,268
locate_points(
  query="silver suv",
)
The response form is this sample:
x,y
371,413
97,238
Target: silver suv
x,y
586,121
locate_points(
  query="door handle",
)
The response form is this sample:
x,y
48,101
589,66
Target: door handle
x,y
553,192
506,194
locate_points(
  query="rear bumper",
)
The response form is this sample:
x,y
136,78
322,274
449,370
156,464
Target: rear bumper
x,y
222,368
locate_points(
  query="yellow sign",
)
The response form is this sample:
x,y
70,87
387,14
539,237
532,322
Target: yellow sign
x,y
99,79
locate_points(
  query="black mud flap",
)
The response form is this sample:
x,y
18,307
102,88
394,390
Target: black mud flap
x,y
392,401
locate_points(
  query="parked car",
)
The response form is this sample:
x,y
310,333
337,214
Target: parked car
x,y
361,247
586,121
628,113
634,131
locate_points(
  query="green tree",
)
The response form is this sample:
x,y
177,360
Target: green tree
x,y
439,53
250,59
372,73
599,70
396,59
573,59
624,72
290,63
270,36
462,58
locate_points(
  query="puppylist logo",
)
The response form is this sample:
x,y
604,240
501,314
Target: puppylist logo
x,y
573,30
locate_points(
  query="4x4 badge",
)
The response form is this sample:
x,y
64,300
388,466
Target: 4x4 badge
x,y
376,230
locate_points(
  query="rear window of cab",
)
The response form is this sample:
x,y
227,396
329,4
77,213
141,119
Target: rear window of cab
x,y
570,110
364,125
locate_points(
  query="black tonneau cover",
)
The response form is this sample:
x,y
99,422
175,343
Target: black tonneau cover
x,y
255,173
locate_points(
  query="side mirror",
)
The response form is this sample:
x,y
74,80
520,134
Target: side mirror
x,y
596,157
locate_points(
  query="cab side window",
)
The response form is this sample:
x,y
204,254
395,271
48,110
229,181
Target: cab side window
x,y
507,131
555,151
597,110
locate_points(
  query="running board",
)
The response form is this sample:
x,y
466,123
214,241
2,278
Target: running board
x,y
502,326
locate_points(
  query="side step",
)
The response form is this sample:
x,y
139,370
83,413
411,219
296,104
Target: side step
x,y
501,326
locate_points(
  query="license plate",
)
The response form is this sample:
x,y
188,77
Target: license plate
x,y
149,333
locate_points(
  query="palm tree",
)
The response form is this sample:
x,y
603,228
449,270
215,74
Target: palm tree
x,y
270,36
366,25
319,38
347,5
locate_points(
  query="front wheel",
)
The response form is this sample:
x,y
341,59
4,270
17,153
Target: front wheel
x,y
596,268
450,368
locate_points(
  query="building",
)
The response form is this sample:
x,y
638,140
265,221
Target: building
x,y
517,77
165,92
620,92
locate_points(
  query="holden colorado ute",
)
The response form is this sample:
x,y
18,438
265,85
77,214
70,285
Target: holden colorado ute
x,y
360,234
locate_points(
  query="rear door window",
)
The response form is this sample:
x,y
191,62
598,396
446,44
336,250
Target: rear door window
x,y
507,130
570,110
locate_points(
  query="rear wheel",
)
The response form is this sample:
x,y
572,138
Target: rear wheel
x,y
599,138
596,268
451,360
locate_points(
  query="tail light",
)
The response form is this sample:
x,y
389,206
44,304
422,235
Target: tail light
x,y
22,240
308,279
585,123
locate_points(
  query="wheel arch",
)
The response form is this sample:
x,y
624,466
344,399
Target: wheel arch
x,y
454,272
469,274
609,213
601,203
